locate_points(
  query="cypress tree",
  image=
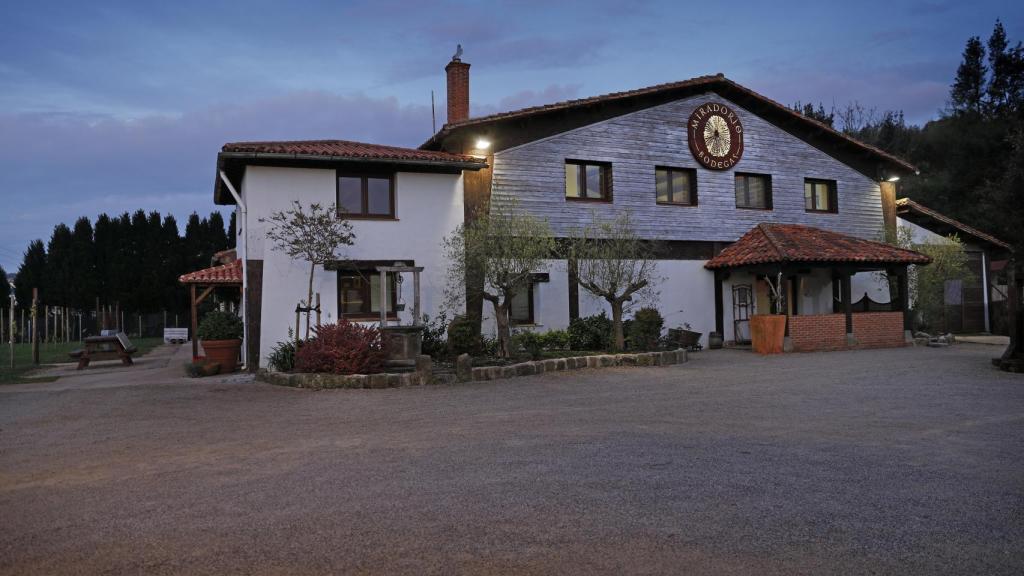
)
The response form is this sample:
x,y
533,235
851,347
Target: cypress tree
x,y
31,273
59,281
83,265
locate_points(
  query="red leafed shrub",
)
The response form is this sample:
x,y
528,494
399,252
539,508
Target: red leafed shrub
x,y
343,348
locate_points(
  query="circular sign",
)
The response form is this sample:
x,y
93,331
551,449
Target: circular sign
x,y
716,136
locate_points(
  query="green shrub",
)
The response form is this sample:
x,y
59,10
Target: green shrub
x,y
463,337
531,342
282,355
219,325
591,333
556,340
645,329
435,342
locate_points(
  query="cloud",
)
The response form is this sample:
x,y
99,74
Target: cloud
x,y
55,167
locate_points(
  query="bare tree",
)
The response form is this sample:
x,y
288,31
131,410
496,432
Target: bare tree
x,y
503,247
313,235
615,264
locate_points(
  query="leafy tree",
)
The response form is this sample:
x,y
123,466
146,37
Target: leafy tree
x,y
313,235
615,264
928,283
31,273
969,86
1006,85
502,248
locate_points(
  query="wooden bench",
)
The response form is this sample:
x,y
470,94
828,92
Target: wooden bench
x,y
116,347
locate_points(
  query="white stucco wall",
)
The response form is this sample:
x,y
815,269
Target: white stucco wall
x,y
427,208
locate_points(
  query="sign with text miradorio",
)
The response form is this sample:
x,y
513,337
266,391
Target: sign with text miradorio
x,y
716,136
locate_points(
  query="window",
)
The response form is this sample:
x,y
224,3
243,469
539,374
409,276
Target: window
x,y
588,181
366,195
754,191
359,294
521,311
820,195
676,186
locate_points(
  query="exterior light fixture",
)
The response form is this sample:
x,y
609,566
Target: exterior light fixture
x,y
892,179
482,144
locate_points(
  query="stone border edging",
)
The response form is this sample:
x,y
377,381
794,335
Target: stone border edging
x,y
466,372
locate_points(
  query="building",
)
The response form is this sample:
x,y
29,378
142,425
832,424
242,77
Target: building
x,y
979,304
700,164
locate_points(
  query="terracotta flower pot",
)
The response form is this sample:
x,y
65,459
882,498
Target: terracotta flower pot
x,y
767,332
223,352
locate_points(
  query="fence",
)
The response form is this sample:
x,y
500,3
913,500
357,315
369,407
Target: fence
x,y
58,324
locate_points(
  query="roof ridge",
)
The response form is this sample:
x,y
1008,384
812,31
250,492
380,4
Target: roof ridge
x,y
765,228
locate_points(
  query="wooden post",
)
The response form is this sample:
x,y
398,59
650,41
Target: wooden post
x,y
416,316
719,305
847,302
318,309
35,326
574,288
904,299
10,331
46,323
298,315
383,299
195,323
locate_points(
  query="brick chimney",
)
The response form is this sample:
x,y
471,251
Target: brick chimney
x,y
458,88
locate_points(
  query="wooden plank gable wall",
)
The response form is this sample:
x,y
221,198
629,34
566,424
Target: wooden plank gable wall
x,y
635,143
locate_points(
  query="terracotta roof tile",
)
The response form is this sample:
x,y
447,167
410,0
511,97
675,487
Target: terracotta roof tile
x,y
226,274
347,149
784,243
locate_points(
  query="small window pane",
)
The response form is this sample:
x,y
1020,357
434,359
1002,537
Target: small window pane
x,y
378,194
741,191
351,295
808,196
519,311
595,184
572,180
821,196
681,187
350,194
662,186
756,186
375,293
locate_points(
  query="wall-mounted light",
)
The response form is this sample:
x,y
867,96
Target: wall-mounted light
x,y
482,144
892,179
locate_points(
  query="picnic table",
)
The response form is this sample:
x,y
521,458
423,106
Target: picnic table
x,y
107,347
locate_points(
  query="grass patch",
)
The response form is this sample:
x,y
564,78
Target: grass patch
x,y
49,354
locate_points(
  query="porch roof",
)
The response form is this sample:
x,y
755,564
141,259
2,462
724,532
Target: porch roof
x,y
227,274
769,243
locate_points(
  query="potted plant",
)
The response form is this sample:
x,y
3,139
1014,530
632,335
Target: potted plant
x,y
685,336
768,331
221,336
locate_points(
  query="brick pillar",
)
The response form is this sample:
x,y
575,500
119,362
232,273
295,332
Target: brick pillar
x,y
458,90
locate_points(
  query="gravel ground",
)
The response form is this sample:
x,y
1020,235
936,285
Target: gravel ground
x,y
903,461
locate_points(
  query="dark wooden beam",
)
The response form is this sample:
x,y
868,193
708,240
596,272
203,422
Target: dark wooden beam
x,y
574,289
719,305
847,301
195,322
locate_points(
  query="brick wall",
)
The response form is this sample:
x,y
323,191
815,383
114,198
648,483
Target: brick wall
x,y
458,90
818,332
828,331
878,329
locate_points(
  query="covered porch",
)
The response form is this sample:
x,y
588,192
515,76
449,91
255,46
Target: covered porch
x,y
202,284
815,268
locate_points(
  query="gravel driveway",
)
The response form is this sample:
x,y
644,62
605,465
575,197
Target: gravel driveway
x,y
905,461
